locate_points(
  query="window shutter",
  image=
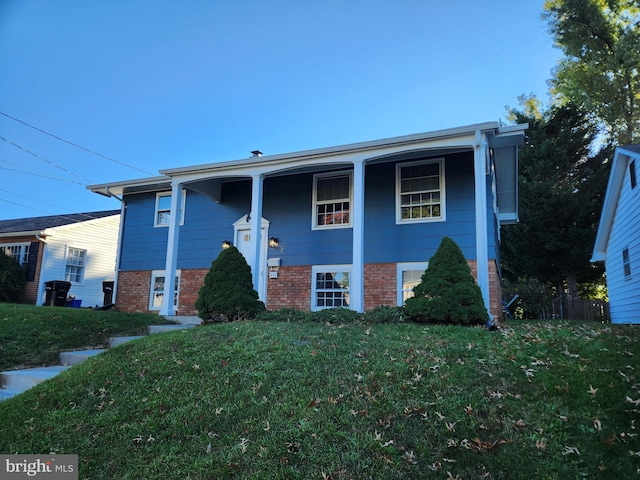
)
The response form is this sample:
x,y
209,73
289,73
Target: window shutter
x,y
30,273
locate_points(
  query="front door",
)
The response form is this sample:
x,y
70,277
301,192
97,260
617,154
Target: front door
x,y
243,243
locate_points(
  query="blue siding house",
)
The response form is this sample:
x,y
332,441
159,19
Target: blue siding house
x,y
618,239
346,226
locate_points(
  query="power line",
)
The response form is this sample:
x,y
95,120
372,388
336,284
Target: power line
x,y
75,145
45,160
42,176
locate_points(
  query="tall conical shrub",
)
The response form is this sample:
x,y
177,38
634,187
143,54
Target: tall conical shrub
x,y
227,293
447,291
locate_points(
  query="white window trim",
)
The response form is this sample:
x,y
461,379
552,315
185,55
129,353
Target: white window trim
x,y
404,267
315,269
314,219
160,273
24,253
443,196
84,265
155,210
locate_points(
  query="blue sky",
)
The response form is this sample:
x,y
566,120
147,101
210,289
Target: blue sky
x,y
159,84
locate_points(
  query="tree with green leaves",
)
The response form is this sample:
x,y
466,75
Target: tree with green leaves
x,y
11,279
601,68
227,293
447,291
561,187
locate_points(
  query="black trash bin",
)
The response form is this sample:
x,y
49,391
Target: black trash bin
x,y
107,289
56,293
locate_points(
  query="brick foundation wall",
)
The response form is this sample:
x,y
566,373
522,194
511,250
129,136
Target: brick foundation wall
x,y
379,285
132,292
190,283
292,288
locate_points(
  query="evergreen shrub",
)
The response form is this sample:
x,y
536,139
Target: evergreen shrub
x,y
227,294
11,279
447,293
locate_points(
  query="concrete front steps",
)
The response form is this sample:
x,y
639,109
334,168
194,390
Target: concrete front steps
x,y
14,382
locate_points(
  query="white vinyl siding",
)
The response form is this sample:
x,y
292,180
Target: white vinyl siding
x,y
99,238
420,191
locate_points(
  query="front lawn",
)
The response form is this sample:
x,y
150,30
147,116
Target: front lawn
x,y
32,336
277,400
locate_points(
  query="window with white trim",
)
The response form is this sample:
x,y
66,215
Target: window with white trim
x,y
157,289
626,263
420,195
163,209
408,276
330,286
75,265
19,251
332,200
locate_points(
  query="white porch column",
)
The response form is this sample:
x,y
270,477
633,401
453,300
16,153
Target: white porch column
x,y
356,287
482,246
256,221
172,249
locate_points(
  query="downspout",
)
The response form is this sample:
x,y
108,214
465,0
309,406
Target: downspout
x,y
41,239
123,210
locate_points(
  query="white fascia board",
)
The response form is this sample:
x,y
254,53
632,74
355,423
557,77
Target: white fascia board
x,y
272,162
142,184
616,178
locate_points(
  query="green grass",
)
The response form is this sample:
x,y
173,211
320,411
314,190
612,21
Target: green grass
x,y
276,400
32,336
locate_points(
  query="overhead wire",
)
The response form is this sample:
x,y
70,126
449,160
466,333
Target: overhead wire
x,y
75,144
53,164
49,177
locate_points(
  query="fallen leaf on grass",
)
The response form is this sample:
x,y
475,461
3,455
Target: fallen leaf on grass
x,y
597,424
541,444
570,450
592,391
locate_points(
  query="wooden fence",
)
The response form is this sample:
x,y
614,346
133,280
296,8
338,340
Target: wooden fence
x,y
576,309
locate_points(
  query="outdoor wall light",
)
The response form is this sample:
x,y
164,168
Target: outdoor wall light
x,y
226,244
273,242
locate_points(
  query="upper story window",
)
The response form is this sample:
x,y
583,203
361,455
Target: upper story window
x,y
632,173
74,269
626,263
420,191
332,200
19,251
163,209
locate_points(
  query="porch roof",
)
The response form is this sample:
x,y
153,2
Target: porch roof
x,y
503,142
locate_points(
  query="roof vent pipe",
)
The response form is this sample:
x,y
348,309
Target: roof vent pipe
x,y
256,153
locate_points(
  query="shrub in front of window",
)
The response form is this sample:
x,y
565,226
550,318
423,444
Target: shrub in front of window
x,y
447,292
227,294
11,279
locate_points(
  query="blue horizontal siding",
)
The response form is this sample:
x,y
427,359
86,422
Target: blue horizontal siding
x,y
288,205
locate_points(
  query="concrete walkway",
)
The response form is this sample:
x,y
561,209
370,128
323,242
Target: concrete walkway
x,y
14,382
